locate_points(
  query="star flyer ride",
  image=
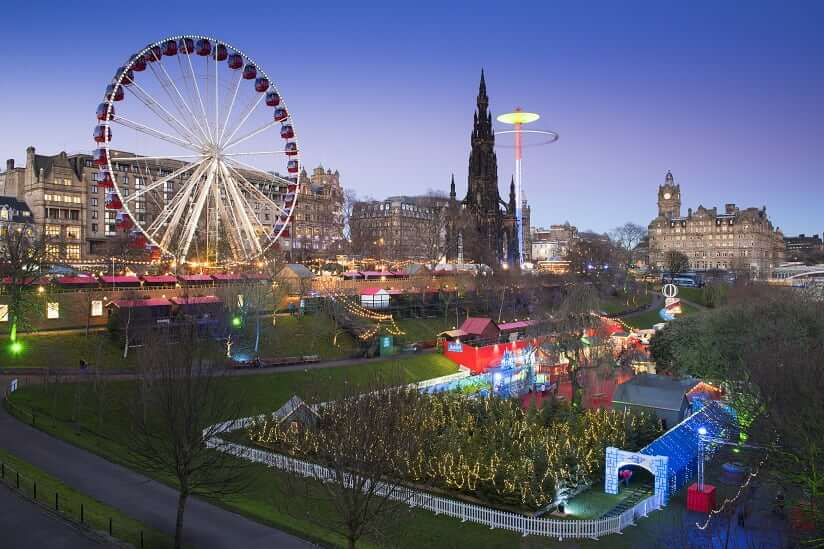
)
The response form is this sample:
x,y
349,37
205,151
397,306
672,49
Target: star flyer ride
x,y
518,119
210,134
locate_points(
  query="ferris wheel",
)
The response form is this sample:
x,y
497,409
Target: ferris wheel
x,y
197,153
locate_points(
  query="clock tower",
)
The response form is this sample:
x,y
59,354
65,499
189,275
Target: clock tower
x,y
669,198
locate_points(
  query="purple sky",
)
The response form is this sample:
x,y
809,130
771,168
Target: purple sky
x,y
727,95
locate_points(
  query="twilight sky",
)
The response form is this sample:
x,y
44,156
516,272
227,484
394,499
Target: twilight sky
x,y
729,95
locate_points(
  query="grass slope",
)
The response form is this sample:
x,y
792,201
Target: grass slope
x,y
647,319
266,499
95,514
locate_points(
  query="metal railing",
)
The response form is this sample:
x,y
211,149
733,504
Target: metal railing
x,y
95,519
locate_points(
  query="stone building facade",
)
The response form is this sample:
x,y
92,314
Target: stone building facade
x,y
317,224
734,239
552,243
400,227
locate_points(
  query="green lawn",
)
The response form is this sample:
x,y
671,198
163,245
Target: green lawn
x,y
621,303
708,296
95,514
647,319
65,351
423,329
266,499
310,334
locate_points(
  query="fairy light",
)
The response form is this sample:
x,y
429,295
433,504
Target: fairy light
x,y
477,446
728,501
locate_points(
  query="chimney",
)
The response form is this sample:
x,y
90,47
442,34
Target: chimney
x,y
9,164
729,208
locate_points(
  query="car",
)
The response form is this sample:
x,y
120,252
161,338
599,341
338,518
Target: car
x,y
684,282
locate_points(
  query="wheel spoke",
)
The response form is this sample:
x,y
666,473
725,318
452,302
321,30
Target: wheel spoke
x,y
130,158
197,89
186,107
258,192
259,153
151,132
233,191
268,175
165,179
234,226
246,116
250,135
194,215
178,204
231,106
152,104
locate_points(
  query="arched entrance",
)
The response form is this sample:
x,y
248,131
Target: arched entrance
x,y
657,465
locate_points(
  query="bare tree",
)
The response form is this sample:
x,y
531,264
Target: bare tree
x,y
676,262
574,320
349,199
25,256
178,399
355,449
627,237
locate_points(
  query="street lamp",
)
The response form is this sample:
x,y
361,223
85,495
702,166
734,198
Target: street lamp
x,y
702,435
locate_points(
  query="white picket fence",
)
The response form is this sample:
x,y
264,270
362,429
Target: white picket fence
x,y
493,518
462,372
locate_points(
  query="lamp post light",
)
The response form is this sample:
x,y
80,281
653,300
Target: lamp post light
x,y
702,438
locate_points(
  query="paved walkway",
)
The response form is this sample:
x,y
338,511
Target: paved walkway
x,y
24,524
146,500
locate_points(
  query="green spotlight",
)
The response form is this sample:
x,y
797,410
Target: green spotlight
x,y
236,321
16,348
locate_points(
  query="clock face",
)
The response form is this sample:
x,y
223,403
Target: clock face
x,y
667,196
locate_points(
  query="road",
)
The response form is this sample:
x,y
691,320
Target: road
x,y
148,501
25,524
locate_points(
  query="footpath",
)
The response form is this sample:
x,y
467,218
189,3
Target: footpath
x,y
136,495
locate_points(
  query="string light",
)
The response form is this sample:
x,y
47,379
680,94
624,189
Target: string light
x,y
727,501
483,447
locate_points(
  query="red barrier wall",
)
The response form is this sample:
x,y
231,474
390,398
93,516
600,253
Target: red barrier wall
x,y
478,359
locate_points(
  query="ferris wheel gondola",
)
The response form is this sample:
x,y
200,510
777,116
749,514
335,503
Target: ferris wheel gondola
x,y
210,135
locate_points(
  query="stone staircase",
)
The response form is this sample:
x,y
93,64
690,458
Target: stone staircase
x,y
635,495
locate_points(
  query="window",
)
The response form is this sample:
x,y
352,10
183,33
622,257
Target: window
x,y
97,308
94,227
94,201
94,214
74,215
53,310
73,252
73,233
52,230
93,188
53,251
4,312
